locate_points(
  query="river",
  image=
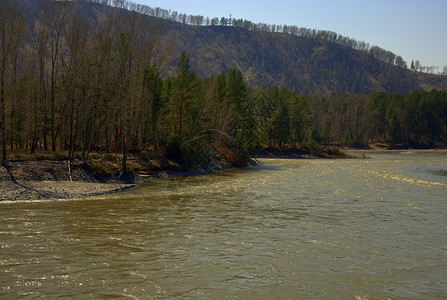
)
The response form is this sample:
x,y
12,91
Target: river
x,y
286,229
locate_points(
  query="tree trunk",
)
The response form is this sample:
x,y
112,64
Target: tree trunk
x,y
2,103
124,160
53,136
34,141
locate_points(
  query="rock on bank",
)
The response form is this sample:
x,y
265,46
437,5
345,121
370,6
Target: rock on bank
x,y
47,190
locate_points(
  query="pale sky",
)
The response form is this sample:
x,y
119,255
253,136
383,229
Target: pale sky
x,y
414,29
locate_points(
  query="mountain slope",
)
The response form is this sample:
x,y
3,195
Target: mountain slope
x,y
302,64
305,65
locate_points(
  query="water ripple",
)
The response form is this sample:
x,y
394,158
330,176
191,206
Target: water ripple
x,y
290,229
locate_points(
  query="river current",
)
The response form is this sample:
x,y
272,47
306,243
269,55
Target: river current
x,y
286,229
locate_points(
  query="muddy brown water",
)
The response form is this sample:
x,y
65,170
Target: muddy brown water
x,y
346,229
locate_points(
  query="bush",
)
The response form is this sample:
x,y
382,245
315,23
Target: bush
x,y
173,148
101,169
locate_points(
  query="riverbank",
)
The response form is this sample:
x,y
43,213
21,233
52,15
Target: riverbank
x,y
305,151
334,152
51,190
49,179
46,179
372,151
53,179
58,178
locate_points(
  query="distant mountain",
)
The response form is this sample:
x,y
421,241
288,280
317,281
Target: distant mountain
x,y
306,65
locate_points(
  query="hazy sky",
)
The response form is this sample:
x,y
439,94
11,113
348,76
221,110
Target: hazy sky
x,y
414,29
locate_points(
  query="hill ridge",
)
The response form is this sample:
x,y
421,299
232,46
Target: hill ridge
x,y
308,63
305,65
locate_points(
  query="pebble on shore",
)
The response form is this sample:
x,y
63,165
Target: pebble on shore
x,y
48,190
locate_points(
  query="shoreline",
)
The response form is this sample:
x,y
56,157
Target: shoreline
x,y
360,152
28,180
56,190
52,180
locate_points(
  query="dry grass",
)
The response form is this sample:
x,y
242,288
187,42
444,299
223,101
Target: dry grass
x,y
38,155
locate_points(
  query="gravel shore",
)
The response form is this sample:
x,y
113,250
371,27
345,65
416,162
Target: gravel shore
x,y
48,190
48,180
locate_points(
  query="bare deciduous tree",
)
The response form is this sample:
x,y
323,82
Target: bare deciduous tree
x,y
12,27
54,17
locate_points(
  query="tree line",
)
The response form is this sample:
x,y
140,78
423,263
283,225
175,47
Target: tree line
x,y
417,119
69,84
327,35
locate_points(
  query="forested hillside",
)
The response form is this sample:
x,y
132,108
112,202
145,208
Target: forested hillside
x,y
305,65
86,78
300,59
